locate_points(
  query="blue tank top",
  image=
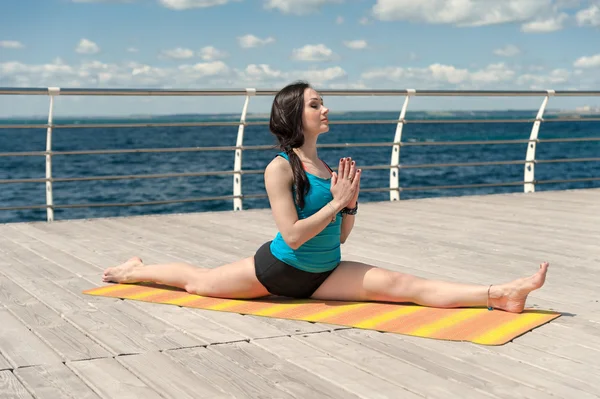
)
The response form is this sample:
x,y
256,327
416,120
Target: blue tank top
x,y
322,252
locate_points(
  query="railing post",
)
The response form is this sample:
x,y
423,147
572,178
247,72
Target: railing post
x,y
529,178
237,163
395,162
52,92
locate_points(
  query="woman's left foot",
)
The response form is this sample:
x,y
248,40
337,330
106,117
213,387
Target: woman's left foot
x,y
511,297
122,273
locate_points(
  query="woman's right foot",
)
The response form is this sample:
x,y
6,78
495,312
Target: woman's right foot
x,y
122,273
511,297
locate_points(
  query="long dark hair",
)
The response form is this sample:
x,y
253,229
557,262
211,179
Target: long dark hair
x,y
286,125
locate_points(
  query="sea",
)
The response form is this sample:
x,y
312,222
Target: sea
x,y
161,189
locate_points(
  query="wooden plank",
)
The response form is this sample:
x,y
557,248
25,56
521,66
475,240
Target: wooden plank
x,y
27,265
109,379
54,381
387,367
573,373
59,258
194,323
524,374
85,315
297,381
140,324
337,372
169,378
48,234
11,388
442,364
226,375
22,347
4,365
56,332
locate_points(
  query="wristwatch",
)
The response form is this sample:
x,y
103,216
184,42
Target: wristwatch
x,y
350,211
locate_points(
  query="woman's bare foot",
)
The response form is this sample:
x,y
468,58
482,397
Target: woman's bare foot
x,y
123,272
511,297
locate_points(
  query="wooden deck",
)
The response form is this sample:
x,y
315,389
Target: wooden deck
x,y
56,342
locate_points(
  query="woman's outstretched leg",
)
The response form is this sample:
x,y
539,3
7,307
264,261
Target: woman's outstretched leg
x,y
354,281
234,280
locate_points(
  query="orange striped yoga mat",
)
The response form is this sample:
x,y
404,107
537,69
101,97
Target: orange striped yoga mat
x,y
477,325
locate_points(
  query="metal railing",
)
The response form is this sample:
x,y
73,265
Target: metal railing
x,y
529,182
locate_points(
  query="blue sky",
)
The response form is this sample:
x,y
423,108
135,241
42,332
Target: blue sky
x,y
195,44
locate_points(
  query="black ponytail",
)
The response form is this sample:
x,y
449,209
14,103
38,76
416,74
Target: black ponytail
x,y
286,125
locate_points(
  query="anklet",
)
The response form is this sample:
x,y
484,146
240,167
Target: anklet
x,y
488,298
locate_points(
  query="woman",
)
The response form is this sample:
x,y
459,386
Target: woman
x,y
314,209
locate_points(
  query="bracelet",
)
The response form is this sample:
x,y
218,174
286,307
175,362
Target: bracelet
x,y
350,211
334,212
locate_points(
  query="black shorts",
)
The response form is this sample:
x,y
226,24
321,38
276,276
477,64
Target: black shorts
x,y
279,278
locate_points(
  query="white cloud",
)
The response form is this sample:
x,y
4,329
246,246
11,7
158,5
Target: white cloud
x,y
460,12
132,50
540,15
541,81
550,24
99,74
260,72
313,52
249,41
321,76
510,50
491,77
188,4
178,53
262,75
364,21
588,62
201,70
589,16
86,46
441,74
339,20
356,44
210,53
138,75
348,86
12,44
298,7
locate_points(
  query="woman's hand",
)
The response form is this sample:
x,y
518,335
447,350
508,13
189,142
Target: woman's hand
x,y
354,200
345,183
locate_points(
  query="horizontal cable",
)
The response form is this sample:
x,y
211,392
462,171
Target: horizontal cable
x,y
580,180
256,147
264,123
127,177
254,196
472,142
19,208
271,147
569,140
163,202
260,171
481,185
566,160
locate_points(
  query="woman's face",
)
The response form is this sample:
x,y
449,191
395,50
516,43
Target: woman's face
x,y
314,117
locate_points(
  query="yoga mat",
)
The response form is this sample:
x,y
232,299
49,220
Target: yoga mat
x,y
477,325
